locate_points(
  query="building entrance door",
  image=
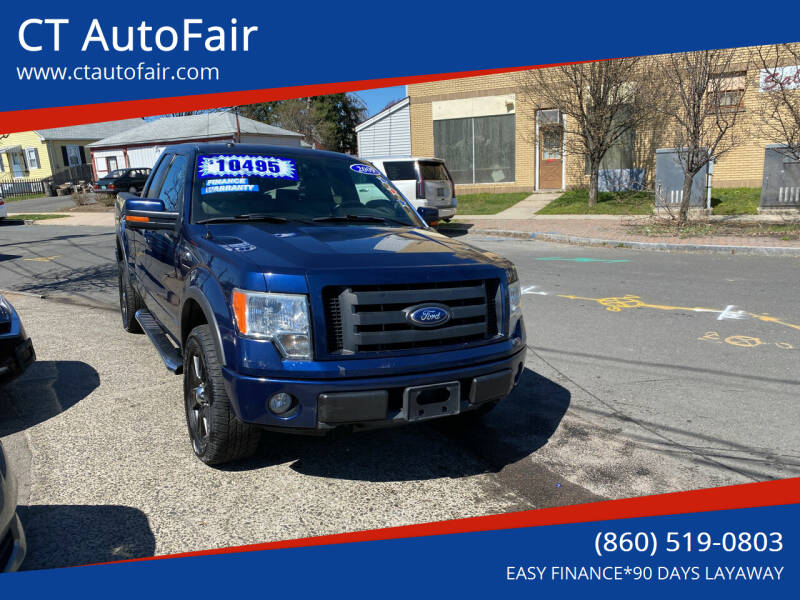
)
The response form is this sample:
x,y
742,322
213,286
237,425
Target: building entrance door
x,y
550,157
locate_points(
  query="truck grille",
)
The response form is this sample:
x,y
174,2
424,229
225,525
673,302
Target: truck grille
x,y
370,318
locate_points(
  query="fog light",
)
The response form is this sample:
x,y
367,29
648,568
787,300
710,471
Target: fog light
x,y
281,403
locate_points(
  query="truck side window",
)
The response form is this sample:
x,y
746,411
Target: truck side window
x,y
174,184
155,182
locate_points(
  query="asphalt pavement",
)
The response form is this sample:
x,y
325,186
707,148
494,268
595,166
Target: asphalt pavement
x,y
39,205
647,372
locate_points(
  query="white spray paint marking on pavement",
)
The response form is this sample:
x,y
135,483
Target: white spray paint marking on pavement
x,y
531,289
730,313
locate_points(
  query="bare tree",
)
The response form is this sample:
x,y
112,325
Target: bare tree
x,y
780,101
603,101
704,94
186,113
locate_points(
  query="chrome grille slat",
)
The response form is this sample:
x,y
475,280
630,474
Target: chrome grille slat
x,y
419,335
397,316
418,296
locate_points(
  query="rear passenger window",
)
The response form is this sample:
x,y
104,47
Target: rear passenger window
x,y
433,170
397,171
174,184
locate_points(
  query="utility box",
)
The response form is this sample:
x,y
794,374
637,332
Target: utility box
x,y
780,189
669,183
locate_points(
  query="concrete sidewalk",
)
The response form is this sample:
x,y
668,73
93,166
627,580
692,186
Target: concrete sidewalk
x,y
631,231
90,219
524,209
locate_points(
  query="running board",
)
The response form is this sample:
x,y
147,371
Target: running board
x,y
169,353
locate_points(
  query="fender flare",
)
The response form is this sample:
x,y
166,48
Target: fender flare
x,y
194,293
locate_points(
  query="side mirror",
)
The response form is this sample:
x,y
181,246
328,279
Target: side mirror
x,y
146,213
429,214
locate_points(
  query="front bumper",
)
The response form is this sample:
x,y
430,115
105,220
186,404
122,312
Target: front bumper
x,y
371,401
16,355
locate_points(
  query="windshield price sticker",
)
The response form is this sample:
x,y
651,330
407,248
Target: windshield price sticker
x,y
364,169
237,165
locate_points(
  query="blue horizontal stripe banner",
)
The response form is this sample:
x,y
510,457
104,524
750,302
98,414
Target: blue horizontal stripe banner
x,y
327,42
737,553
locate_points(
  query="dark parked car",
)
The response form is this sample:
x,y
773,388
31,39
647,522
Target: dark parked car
x,y
12,536
16,349
123,180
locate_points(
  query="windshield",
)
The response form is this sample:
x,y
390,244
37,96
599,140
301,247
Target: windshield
x,y
295,188
117,173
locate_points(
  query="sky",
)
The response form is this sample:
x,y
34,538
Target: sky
x,y
374,99
378,98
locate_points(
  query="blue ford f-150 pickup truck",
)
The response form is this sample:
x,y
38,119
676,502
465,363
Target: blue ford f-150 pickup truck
x,y
298,290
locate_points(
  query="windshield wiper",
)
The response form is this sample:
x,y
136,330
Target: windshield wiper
x,y
247,217
357,218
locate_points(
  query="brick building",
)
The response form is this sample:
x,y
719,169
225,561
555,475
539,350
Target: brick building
x,y
495,141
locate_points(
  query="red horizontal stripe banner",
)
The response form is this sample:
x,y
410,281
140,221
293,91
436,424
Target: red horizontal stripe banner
x,y
61,116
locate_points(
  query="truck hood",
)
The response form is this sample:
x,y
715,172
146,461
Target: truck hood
x,y
299,248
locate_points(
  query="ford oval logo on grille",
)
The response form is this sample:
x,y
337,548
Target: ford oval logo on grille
x,y
428,315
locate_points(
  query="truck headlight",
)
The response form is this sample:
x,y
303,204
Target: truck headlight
x,y
515,298
514,291
282,318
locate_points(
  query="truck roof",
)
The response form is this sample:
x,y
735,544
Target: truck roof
x,y
385,158
227,147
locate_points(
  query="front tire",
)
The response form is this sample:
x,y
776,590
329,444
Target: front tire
x,y
217,434
129,301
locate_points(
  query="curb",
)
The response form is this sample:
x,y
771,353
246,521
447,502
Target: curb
x,y
657,246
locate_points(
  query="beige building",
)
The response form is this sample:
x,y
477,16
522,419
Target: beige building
x,y
494,141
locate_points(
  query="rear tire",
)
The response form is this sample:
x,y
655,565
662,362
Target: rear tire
x,y
129,301
217,434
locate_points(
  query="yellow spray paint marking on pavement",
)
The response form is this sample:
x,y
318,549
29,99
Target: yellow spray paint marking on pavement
x,y
618,303
743,341
43,258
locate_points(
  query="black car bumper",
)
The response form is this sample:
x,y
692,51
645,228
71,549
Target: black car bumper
x,y
16,355
13,546
12,535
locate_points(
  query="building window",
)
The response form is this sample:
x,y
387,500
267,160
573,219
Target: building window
x,y
477,149
17,164
111,163
32,155
727,91
551,143
74,155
